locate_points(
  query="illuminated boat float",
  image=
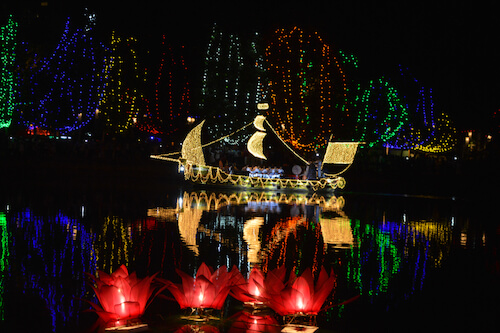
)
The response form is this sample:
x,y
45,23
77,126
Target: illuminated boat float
x,y
191,161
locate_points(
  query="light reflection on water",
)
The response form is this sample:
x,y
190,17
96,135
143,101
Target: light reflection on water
x,y
373,253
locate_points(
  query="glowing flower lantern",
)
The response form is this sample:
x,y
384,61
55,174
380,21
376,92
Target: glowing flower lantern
x,y
122,296
258,289
301,295
208,289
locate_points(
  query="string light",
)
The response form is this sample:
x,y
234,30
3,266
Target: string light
x,y
8,43
62,93
233,83
421,124
381,113
306,83
120,101
444,138
166,111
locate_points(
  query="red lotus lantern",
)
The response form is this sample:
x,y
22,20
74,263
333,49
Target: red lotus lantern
x,y
301,296
208,289
245,322
257,289
123,296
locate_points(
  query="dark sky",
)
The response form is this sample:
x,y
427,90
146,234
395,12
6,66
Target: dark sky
x,y
450,46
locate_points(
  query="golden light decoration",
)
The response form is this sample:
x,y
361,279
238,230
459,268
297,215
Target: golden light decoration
x,y
251,231
258,122
255,145
214,175
189,220
340,152
119,102
191,147
337,232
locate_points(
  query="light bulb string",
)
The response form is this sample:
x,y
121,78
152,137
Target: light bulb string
x,y
286,145
236,131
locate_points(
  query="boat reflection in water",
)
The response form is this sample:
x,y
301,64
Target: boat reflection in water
x,y
267,229
383,255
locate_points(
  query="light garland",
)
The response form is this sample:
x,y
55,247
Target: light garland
x,y
306,83
8,43
120,101
381,113
209,174
166,111
233,83
62,93
421,122
444,139
220,200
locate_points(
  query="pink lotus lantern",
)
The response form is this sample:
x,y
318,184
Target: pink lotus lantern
x,y
208,289
258,289
123,296
301,296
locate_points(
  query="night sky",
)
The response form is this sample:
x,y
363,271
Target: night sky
x,y
451,47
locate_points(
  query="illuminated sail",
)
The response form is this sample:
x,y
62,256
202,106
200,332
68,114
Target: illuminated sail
x,y
191,147
340,152
255,145
258,122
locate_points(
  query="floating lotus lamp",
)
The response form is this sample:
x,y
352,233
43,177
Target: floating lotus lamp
x,y
258,289
301,299
208,290
123,296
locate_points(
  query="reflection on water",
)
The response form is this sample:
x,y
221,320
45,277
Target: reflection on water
x,y
47,255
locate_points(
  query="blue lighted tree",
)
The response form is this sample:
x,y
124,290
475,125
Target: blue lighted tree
x,y
61,93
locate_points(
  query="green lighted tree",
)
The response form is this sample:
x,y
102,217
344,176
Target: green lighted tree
x,y
7,82
381,113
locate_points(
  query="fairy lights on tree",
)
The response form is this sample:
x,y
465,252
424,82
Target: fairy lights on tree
x,y
420,104
124,81
307,89
233,83
8,42
61,93
444,138
381,113
167,102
